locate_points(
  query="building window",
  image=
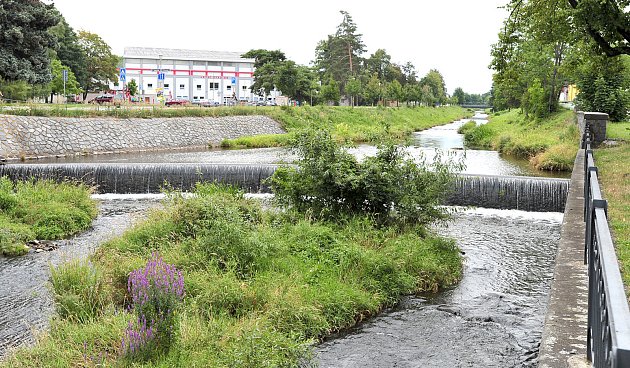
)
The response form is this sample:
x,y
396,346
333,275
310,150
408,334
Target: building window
x,y
212,85
165,85
181,86
199,87
149,85
229,88
244,88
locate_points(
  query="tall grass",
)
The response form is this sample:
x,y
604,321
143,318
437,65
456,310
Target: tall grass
x,y
549,144
260,286
42,210
614,174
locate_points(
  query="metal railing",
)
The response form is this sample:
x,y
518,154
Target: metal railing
x,y
608,335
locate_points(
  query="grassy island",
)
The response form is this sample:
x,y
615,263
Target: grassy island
x,y
41,210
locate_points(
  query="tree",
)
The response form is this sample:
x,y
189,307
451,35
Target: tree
x,y
101,64
263,56
373,90
354,89
132,87
378,63
395,91
435,83
459,95
57,85
68,50
607,23
337,56
24,40
330,92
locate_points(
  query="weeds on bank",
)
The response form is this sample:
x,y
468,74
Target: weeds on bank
x,y
614,174
42,210
549,144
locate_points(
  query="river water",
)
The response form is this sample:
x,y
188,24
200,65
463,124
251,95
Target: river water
x,y
493,318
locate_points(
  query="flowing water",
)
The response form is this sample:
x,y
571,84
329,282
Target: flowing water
x,y
25,302
493,318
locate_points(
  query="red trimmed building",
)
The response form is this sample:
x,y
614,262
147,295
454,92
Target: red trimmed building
x,y
194,75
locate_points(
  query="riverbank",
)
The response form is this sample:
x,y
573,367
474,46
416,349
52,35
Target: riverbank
x,y
33,211
550,144
359,124
261,286
613,162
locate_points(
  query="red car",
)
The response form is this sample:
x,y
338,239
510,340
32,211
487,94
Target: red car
x,y
176,102
100,99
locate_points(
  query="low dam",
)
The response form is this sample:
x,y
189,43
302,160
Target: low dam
x,y
489,191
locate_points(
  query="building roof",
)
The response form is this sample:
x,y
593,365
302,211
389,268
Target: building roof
x,y
181,54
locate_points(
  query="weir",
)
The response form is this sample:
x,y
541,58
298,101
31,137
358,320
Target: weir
x,y
502,192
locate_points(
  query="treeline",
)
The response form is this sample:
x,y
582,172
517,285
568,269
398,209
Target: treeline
x,y
546,45
341,73
37,45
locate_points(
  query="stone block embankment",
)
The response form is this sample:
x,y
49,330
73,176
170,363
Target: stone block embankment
x,y
30,136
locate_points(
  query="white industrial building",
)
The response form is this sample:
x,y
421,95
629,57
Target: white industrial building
x,y
220,77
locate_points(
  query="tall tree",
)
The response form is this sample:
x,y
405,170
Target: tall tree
x,y
67,48
435,83
101,64
460,95
262,56
339,55
24,40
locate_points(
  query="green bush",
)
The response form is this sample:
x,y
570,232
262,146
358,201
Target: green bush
x,y
13,236
330,183
79,291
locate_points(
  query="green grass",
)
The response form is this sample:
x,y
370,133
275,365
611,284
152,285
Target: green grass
x,y
613,163
260,286
550,144
41,210
361,124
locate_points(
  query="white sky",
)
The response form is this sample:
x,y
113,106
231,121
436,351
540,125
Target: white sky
x,y
453,36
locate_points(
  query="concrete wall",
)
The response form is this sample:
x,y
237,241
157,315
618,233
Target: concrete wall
x,y
28,136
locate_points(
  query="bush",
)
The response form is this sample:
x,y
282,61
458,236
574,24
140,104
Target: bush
x,y
392,188
79,291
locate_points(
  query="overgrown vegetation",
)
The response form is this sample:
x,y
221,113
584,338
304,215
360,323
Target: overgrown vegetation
x,y
549,144
41,210
331,183
612,162
260,285
354,124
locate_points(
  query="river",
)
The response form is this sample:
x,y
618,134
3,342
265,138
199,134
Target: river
x,y
492,318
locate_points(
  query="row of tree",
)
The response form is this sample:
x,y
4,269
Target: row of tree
x,y
37,45
545,45
341,72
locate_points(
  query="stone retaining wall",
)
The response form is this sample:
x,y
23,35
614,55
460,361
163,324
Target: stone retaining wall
x,y
30,136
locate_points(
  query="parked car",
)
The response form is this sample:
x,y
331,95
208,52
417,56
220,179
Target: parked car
x,y
205,103
177,102
101,99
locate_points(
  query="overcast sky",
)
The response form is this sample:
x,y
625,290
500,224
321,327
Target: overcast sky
x,y
453,36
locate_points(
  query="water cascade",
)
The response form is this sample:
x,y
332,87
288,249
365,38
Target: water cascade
x,y
502,192
510,192
145,177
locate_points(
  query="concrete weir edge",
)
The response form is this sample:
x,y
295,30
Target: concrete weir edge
x,y
563,342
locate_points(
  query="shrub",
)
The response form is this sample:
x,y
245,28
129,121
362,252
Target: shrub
x,y
392,188
79,291
156,292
